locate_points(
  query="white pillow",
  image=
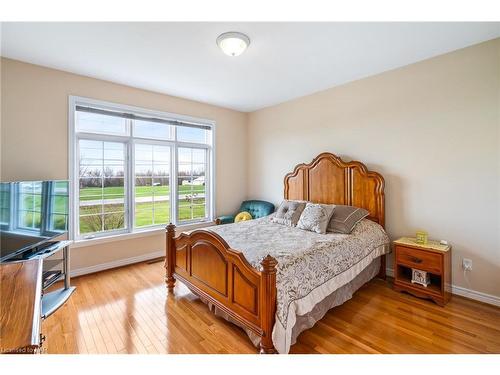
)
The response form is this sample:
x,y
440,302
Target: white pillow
x,y
316,217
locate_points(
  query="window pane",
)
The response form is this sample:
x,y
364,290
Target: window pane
x,y
194,135
102,186
102,124
29,205
199,210
113,152
4,203
91,224
59,202
89,208
59,223
152,185
154,130
143,214
192,165
90,149
114,221
60,205
161,170
161,155
26,219
199,156
4,216
184,210
143,153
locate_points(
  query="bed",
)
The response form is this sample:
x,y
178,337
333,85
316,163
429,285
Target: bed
x,y
276,281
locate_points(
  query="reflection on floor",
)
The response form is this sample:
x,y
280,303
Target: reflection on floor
x,y
127,310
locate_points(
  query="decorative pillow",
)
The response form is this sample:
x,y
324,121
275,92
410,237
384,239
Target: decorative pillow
x,y
242,216
345,218
316,217
288,213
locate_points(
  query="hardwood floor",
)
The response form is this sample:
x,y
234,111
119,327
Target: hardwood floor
x,y
127,310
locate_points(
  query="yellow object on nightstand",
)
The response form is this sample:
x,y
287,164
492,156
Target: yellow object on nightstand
x,y
242,216
421,237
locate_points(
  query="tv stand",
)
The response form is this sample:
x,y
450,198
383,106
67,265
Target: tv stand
x,y
55,261
55,270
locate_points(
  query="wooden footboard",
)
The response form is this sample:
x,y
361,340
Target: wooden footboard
x,y
206,264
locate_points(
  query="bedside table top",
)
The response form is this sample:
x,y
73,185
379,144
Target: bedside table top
x,y
430,245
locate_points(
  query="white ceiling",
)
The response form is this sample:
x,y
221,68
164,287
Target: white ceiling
x,y
284,60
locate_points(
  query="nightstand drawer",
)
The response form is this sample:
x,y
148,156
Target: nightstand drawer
x,y
419,259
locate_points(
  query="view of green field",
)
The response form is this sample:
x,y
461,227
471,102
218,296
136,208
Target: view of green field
x,y
149,211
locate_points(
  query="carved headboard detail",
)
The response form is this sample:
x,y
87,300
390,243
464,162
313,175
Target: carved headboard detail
x,y
329,179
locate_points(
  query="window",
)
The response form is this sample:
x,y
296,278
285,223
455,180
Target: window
x,y
101,186
191,177
152,184
135,169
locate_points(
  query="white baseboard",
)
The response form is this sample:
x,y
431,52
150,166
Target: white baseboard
x,y
464,292
478,296
116,263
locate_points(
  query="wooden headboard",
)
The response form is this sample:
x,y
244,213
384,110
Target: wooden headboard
x,y
329,179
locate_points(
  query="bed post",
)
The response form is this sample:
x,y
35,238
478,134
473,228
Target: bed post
x,y
268,304
170,258
382,272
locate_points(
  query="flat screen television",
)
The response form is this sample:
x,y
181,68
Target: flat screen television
x,y
32,213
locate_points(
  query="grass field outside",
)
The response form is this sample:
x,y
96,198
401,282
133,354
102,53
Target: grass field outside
x,y
111,216
146,214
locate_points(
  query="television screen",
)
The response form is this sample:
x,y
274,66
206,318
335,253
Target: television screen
x,y
31,213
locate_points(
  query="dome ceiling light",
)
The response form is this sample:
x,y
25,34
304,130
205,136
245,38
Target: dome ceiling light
x,y
233,43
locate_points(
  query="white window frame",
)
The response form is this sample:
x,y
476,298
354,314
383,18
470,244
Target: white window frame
x,y
130,141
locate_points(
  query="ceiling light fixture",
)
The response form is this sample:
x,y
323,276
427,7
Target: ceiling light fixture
x,y
233,43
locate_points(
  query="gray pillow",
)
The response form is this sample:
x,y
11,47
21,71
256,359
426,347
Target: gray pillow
x,y
288,213
316,217
345,218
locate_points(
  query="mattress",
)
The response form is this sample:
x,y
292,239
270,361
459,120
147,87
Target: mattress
x,y
311,266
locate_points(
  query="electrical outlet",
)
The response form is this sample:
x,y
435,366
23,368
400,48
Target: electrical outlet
x,y
467,264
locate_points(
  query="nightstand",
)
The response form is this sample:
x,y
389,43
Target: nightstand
x,y
433,258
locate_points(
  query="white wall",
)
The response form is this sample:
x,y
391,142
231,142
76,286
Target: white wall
x,y
431,129
34,143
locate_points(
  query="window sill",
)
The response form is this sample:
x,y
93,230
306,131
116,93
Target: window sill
x,y
140,234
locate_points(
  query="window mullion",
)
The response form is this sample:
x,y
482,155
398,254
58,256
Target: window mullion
x,y
208,189
76,189
131,180
174,206
102,190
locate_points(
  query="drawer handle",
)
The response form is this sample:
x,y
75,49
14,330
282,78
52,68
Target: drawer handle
x,y
415,260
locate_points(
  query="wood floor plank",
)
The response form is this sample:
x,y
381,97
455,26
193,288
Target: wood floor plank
x,y
128,310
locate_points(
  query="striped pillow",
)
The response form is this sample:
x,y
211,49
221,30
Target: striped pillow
x,y
345,218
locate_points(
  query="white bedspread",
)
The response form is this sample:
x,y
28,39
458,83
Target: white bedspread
x,y
311,266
